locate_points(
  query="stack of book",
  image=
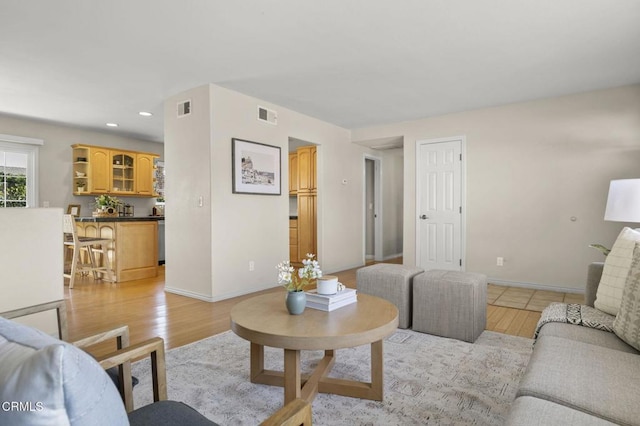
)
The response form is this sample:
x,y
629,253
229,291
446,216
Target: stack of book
x,y
331,302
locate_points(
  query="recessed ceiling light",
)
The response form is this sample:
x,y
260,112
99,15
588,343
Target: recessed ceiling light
x,y
112,124
145,114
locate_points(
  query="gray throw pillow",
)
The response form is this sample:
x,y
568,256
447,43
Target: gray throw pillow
x,y
627,322
44,381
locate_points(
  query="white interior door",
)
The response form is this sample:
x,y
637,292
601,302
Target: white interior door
x,y
439,187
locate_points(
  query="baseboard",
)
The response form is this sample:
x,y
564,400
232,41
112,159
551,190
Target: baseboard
x,y
226,296
535,286
393,256
343,268
188,294
217,298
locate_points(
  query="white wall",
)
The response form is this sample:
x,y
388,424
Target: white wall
x,y
55,165
254,228
530,168
31,263
188,168
392,207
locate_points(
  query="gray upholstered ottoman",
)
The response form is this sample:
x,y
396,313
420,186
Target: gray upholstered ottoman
x,y
391,282
450,304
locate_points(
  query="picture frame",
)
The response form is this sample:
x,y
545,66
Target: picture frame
x,y
73,209
256,168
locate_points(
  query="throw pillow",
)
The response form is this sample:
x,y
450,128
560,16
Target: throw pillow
x,y
616,269
627,322
46,381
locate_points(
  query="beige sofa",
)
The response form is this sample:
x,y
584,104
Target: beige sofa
x,y
579,375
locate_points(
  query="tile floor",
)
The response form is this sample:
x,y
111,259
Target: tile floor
x,y
529,299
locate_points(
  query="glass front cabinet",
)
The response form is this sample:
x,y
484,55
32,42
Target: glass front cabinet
x,y
122,173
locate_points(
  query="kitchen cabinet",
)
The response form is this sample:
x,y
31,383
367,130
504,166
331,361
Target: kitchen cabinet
x,y
306,168
145,175
102,170
306,224
293,241
90,170
133,250
122,173
293,173
303,184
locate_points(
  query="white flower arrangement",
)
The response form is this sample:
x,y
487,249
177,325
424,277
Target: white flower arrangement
x,y
309,272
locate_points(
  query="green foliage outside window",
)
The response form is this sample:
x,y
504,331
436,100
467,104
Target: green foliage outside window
x,y
13,190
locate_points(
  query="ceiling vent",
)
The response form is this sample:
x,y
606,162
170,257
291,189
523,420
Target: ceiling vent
x,y
184,108
267,116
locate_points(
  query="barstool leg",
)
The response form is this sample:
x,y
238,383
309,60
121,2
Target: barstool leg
x,y
92,261
74,266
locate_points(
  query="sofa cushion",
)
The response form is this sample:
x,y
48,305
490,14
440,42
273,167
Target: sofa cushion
x,y
616,269
528,411
584,377
47,381
627,322
592,336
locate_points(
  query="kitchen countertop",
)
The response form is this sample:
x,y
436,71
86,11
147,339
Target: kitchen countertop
x,y
119,219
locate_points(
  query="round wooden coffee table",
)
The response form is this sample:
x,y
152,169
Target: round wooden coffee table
x,y
264,321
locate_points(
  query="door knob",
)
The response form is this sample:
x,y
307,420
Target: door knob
x,y
423,217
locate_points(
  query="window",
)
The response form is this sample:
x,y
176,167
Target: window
x,y
18,171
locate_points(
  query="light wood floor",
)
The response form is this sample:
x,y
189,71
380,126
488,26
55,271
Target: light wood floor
x,y
149,311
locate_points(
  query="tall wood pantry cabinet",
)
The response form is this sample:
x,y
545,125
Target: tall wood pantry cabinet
x,y
302,183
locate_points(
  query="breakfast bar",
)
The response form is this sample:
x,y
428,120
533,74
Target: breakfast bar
x,y
133,251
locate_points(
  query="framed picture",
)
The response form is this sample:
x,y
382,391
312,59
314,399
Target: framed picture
x,y
256,168
73,209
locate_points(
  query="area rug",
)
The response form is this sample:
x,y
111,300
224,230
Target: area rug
x,y
428,380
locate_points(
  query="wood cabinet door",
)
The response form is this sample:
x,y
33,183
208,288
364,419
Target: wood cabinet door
x,y
122,172
293,241
293,173
144,174
304,168
137,250
313,172
306,224
99,170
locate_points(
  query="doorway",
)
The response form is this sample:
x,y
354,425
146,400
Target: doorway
x,y
372,209
440,216
303,200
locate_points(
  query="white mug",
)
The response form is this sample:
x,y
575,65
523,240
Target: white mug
x,y
329,284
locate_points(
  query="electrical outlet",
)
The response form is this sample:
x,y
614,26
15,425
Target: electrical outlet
x,y
500,261
252,266
45,204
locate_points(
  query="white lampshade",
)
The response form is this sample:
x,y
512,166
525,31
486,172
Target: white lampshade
x,y
623,202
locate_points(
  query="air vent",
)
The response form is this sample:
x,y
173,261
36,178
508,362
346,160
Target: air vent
x,y
267,116
184,108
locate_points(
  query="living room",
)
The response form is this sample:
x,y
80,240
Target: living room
x,y
537,167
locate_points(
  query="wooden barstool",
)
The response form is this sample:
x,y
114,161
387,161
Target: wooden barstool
x,y
76,243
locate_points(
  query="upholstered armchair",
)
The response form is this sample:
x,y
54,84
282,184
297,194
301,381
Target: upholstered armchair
x,y
44,380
